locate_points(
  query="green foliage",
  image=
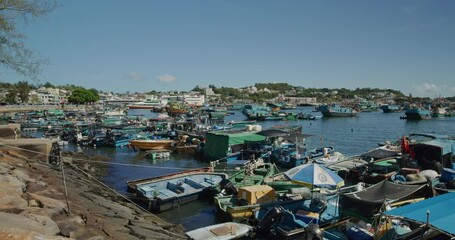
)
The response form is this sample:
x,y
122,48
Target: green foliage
x,y
81,96
48,85
13,53
11,95
279,87
23,89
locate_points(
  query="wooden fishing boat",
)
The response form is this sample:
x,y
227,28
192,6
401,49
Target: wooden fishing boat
x,y
240,207
152,144
166,192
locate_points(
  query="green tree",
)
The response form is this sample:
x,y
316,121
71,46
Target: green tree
x,y
13,52
82,96
11,95
48,85
23,90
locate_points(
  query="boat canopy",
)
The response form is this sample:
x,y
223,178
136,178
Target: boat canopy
x,y
446,146
217,144
379,154
440,209
364,204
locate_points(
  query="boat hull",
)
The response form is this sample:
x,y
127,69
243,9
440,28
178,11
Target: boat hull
x,y
390,108
337,111
152,144
171,191
417,114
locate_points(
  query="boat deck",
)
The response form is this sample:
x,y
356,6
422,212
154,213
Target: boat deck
x,y
180,186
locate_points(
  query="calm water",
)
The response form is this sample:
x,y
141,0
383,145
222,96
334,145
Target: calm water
x,y
350,136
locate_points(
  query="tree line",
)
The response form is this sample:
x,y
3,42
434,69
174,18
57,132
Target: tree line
x,y
20,92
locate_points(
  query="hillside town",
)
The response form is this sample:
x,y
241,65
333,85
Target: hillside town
x,y
267,94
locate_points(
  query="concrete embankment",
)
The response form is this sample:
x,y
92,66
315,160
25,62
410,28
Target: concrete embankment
x,y
33,205
26,108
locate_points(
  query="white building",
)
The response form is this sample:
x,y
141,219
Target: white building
x,y
48,95
194,100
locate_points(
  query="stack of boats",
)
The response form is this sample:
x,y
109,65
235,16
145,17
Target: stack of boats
x,y
261,203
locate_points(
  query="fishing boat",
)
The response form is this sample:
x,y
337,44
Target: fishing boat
x,y
390,108
432,218
169,191
417,113
224,231
440,111
336,110
239,207
289,220
176,108
237,124
157,144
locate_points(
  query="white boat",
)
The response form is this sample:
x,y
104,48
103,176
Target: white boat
x,y
149,103
223,231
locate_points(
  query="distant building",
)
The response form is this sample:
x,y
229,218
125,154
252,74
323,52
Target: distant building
x,y
194,100
301,100
45,95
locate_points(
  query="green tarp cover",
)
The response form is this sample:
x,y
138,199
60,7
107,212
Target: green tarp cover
x,y
217,144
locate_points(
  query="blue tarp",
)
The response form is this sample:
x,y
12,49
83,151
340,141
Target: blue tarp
x,y
442,212
446,146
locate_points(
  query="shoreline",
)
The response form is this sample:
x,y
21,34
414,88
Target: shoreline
x,y
33,205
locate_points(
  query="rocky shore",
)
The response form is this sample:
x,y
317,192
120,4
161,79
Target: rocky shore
x,y
33,205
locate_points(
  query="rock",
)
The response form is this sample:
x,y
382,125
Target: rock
x,y
71,224
19,223
88,233
11,190
46,202
143,233
46,222
24,177
34,203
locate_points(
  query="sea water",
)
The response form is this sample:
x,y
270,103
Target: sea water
x,y
348,135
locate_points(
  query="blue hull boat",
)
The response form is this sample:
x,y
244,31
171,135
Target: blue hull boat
x,y
169,191
335,110
390,108
417,114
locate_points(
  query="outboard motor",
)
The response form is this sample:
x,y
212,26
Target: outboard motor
x,y
270,218
313,232
228,188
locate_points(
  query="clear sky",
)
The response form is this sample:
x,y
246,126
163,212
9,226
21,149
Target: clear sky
x,y
145,45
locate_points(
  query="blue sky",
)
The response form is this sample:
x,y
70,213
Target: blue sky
x,y
175,45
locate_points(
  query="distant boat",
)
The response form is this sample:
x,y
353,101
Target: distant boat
x,y
152,144
169,191
440,112
417,114
149,103
390,108
241,123
176,108
336,110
